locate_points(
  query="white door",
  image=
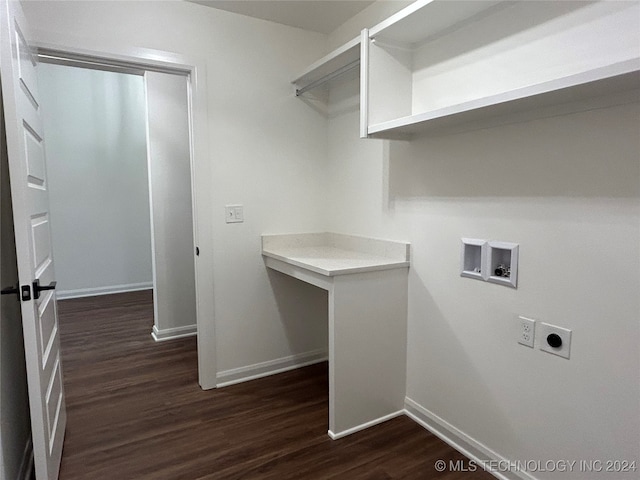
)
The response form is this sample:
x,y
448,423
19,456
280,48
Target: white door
x,y
29,194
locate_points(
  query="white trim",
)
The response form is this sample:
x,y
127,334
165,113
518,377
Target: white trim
x,y
196,66
91,292
26,465
271,367
468,446
357,428
364,84
156,334
87,49
173,333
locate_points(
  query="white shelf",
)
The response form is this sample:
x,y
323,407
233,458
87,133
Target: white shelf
x,y
424,19
619,77
341,58
446,66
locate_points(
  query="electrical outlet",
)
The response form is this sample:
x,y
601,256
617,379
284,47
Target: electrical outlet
x,y
526,331
555,340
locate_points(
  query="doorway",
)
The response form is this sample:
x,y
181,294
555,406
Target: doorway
x,y
113,58
119,168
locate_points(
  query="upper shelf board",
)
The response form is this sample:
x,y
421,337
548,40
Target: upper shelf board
x,y
616,78
334,61
425,19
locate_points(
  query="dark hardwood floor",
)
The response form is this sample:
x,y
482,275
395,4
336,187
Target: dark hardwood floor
x,y
135,411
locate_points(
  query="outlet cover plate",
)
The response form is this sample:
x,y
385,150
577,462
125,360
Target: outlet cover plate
x,y
526,331
545,330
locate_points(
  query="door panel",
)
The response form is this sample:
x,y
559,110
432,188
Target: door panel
x,y
54,400
48,327
40,229
27,170
35,157
26,67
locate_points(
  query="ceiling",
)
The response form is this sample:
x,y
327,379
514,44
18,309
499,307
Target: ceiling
x,y
322,16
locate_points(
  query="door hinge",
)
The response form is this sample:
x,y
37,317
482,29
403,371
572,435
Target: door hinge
x,y
197,251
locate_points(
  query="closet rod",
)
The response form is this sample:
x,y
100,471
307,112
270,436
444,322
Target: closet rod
x,y
326,78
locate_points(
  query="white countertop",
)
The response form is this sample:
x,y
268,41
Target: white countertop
x,y
333,254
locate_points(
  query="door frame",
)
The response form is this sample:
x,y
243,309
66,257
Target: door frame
x,y
136,59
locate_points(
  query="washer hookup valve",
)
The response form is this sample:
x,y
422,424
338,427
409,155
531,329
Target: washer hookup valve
x,y
502,271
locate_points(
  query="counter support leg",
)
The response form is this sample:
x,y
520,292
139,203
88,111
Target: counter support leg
x,y
367,349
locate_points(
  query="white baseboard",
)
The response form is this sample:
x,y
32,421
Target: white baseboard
x,y
92,292
173,333
349,431
26,465
272,367
468,446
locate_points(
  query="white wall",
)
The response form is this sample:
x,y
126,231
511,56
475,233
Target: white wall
x,y
15,425
267,151
98,184
169,167
567,189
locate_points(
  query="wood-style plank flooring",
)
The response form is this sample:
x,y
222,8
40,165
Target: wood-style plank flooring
x,y
135,411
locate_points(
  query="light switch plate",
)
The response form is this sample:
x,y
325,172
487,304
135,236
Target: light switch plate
x,y
234,213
